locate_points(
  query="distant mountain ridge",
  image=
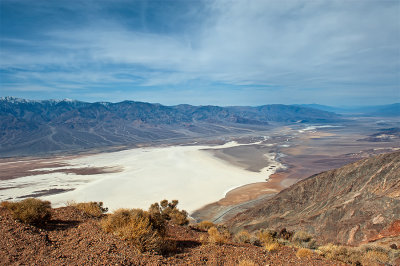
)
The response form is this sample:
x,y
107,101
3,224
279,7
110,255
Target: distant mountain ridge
x,y
30,126
388,110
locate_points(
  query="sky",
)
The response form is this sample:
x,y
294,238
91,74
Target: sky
x,y
217,52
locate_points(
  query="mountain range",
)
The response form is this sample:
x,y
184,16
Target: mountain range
x,y
389,110
39,127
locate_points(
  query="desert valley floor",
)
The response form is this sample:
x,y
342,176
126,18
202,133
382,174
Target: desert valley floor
x,y
212,178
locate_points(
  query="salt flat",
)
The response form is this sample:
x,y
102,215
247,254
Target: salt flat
x,y
187,173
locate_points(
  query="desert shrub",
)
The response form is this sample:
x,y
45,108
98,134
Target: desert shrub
x,y
203,239
303,253
242,237
304,240
376,254
374,257
168,211
341,253
266,236
137,227
272,247
92,208
204,225
218,235
254,240
285,234
246,262
30,210
301,236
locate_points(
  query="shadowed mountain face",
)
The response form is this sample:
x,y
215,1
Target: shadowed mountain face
x,y
34,127
356,203
389,110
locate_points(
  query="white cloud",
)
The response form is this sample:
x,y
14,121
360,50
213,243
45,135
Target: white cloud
x,y
292,44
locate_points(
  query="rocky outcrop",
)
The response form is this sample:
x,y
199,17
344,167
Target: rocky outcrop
x,y
350,205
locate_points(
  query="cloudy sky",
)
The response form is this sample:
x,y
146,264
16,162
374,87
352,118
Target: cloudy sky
x,y
202,52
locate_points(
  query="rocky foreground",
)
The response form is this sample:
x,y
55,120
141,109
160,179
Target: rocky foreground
x,y
74,238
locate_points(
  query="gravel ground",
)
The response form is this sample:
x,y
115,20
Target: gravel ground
x,y
72,238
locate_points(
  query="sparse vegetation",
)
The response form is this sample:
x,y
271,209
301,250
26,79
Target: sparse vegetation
x,y
246,262
272,247
304,253
30,210
266,236
203,225
285,234
168,211
218,235
136,226
92,208
363,255
242,237
304,240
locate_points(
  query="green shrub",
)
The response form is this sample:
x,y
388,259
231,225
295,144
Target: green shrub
x,y
31,210
137,227
92,208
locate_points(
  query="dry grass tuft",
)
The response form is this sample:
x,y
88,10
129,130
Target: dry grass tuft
x,y
216,236
272,247
374,257
92,208
137,227
341,253
31,210
304,240
204,225
246,262
242,237
266,236
363,255
304,253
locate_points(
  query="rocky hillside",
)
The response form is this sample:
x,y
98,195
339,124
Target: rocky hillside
x,y
32,127
74,238
357,203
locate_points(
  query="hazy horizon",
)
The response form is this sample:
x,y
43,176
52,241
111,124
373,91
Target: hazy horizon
x,y
133,100
226,53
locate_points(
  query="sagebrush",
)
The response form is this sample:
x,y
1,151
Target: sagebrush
x,y
30,210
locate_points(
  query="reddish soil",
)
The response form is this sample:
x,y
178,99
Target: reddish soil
x,y
393,230
72,238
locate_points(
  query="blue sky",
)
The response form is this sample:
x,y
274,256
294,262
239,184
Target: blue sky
x,y
202,52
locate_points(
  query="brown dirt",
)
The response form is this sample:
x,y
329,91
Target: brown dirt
x,y
72,238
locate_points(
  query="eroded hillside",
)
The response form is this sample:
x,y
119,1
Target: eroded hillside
x,y
357,203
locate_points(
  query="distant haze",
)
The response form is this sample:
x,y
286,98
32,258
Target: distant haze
x,y
202,52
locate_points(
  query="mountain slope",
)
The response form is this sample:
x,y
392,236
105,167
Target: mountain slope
x,y
389,110
349,205
32,127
